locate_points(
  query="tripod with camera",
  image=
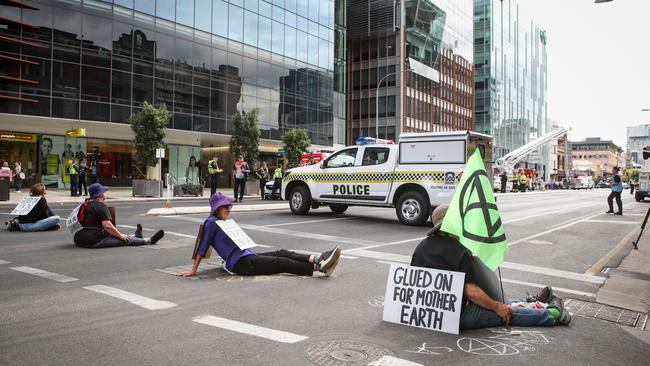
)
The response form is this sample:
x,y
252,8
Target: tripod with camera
x,y
635,243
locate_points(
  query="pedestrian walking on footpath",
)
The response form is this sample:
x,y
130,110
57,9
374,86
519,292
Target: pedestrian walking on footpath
x,y
98,230
441,250
19,176
240,173
73,172
39,218
262,174
213,171
83,171
617,187
247,262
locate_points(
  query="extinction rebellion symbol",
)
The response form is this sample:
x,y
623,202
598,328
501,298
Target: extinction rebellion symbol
x,y
470,202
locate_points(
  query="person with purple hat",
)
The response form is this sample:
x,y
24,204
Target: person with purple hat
x,y
247,262
99,231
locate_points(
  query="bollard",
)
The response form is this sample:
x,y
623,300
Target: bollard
x,y
168,203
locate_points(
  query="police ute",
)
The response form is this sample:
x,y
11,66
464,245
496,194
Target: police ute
x,y
414,176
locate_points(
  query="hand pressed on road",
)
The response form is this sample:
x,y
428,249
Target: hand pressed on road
x,y
504,311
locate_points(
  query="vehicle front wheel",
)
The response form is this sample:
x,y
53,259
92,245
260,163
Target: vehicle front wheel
x,y
638,197
300,200
412,208
338,208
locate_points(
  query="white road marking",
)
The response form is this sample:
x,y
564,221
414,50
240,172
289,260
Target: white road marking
x,y
135,299
310,221
539,242
564,226
530,284
166,232
250,329
383,245
393,361
551,212
308,252
44,274
4,262
613,222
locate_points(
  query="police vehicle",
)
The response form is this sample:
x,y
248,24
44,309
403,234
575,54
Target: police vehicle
x,y
413,176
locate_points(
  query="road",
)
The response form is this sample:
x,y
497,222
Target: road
x,y
116,307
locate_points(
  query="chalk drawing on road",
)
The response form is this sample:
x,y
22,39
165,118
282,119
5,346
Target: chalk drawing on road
x,y
428,350
485,347
377,302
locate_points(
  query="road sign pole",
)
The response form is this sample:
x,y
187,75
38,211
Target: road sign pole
x,y
168,203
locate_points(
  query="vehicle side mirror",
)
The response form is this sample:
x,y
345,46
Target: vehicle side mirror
x,y
323,164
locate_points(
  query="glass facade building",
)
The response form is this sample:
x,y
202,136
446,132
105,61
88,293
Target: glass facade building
x,y
511,79
100,61
410,67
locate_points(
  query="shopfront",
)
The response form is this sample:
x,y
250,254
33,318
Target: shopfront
x,y
20,147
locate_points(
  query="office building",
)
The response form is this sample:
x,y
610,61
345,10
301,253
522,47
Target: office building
x,y
595,156
638,138
69,64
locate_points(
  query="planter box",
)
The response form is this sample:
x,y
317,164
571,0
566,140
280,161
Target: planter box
x,y
252,186
147,188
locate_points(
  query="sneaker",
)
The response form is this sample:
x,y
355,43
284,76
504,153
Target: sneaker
x,y
157,236
328,258
609,211
619,213
557,303
565,318
138,231
328,272
544,295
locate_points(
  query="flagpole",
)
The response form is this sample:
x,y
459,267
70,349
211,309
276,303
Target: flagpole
x,y
503,298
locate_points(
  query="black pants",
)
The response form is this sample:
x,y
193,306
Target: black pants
x,y
631,188
619,203
213,184
277,185
240,186
82,184
503,187
111,241
73,184
262,184
281,261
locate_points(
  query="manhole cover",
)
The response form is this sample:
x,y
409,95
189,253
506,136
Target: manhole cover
x,y
604,312
345,353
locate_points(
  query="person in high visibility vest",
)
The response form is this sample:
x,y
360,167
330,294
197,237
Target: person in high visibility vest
x,y
277,181
73,171
523,181
213,171
515,182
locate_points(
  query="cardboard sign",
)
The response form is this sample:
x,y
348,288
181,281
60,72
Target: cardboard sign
x,y
235,233
25,205
72,222
424,298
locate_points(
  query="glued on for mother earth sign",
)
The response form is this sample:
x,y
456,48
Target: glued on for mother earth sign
x,y
424,298
234,232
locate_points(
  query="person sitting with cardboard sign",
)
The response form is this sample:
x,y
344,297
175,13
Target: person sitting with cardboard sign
x,y
234,247
34,214
97,230
441,250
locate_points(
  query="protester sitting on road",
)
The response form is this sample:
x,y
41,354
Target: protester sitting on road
x,y
249,263
40,218
99,231
441,250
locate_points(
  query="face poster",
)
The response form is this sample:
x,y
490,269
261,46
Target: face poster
x,y
185,164
51,163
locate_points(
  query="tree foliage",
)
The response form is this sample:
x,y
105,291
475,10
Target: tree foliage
x,y
296,142
148,126
245,140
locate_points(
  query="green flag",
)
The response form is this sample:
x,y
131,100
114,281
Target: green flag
x,y
473,215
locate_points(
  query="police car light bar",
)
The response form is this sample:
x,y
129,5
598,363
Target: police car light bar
x,y
364,140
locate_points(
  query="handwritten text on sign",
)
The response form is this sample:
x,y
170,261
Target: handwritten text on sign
x,y
234,232
25,205
424,298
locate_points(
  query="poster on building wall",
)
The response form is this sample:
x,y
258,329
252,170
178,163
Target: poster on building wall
x,y
185,164
51,163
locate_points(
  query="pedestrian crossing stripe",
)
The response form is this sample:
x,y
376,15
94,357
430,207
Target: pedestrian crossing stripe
x,y
373,177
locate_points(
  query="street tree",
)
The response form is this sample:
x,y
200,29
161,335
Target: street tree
x,y
296,142
148,126
245,140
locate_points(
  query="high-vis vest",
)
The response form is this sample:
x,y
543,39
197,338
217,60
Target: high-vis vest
x,y
212,167
277,173
73,169
523,179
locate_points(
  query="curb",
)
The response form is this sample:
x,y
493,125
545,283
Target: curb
x,y
206,210
616,252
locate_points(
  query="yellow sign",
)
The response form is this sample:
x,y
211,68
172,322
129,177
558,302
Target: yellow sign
x,y
79,132
17,137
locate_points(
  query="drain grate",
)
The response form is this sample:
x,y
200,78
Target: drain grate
x,y
345,353
604,312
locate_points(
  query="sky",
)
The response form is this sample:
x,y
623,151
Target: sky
x,y
598,64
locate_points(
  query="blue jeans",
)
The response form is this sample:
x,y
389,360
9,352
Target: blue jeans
x,y
40,225
475,316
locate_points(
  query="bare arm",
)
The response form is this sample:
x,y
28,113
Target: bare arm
x,y
112,230
476,295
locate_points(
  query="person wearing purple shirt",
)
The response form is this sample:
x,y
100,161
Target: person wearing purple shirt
x,y
247,262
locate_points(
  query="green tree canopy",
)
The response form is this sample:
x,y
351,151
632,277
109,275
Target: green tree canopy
x,y
245,140
296,142
148,126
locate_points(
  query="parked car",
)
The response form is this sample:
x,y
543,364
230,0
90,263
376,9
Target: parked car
x,y
584,182
603,184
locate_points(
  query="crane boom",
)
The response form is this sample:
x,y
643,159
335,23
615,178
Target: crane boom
x,y
507,163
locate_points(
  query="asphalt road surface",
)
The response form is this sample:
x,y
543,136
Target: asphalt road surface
x,y
117,306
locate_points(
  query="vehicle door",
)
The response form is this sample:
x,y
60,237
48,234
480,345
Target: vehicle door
x,y
372,178
336,171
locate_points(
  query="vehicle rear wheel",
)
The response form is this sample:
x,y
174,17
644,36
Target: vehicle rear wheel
x,y
638,197
300,200
338,208
412,208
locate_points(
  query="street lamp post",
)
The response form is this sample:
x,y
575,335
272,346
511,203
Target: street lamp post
x,y
377,98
